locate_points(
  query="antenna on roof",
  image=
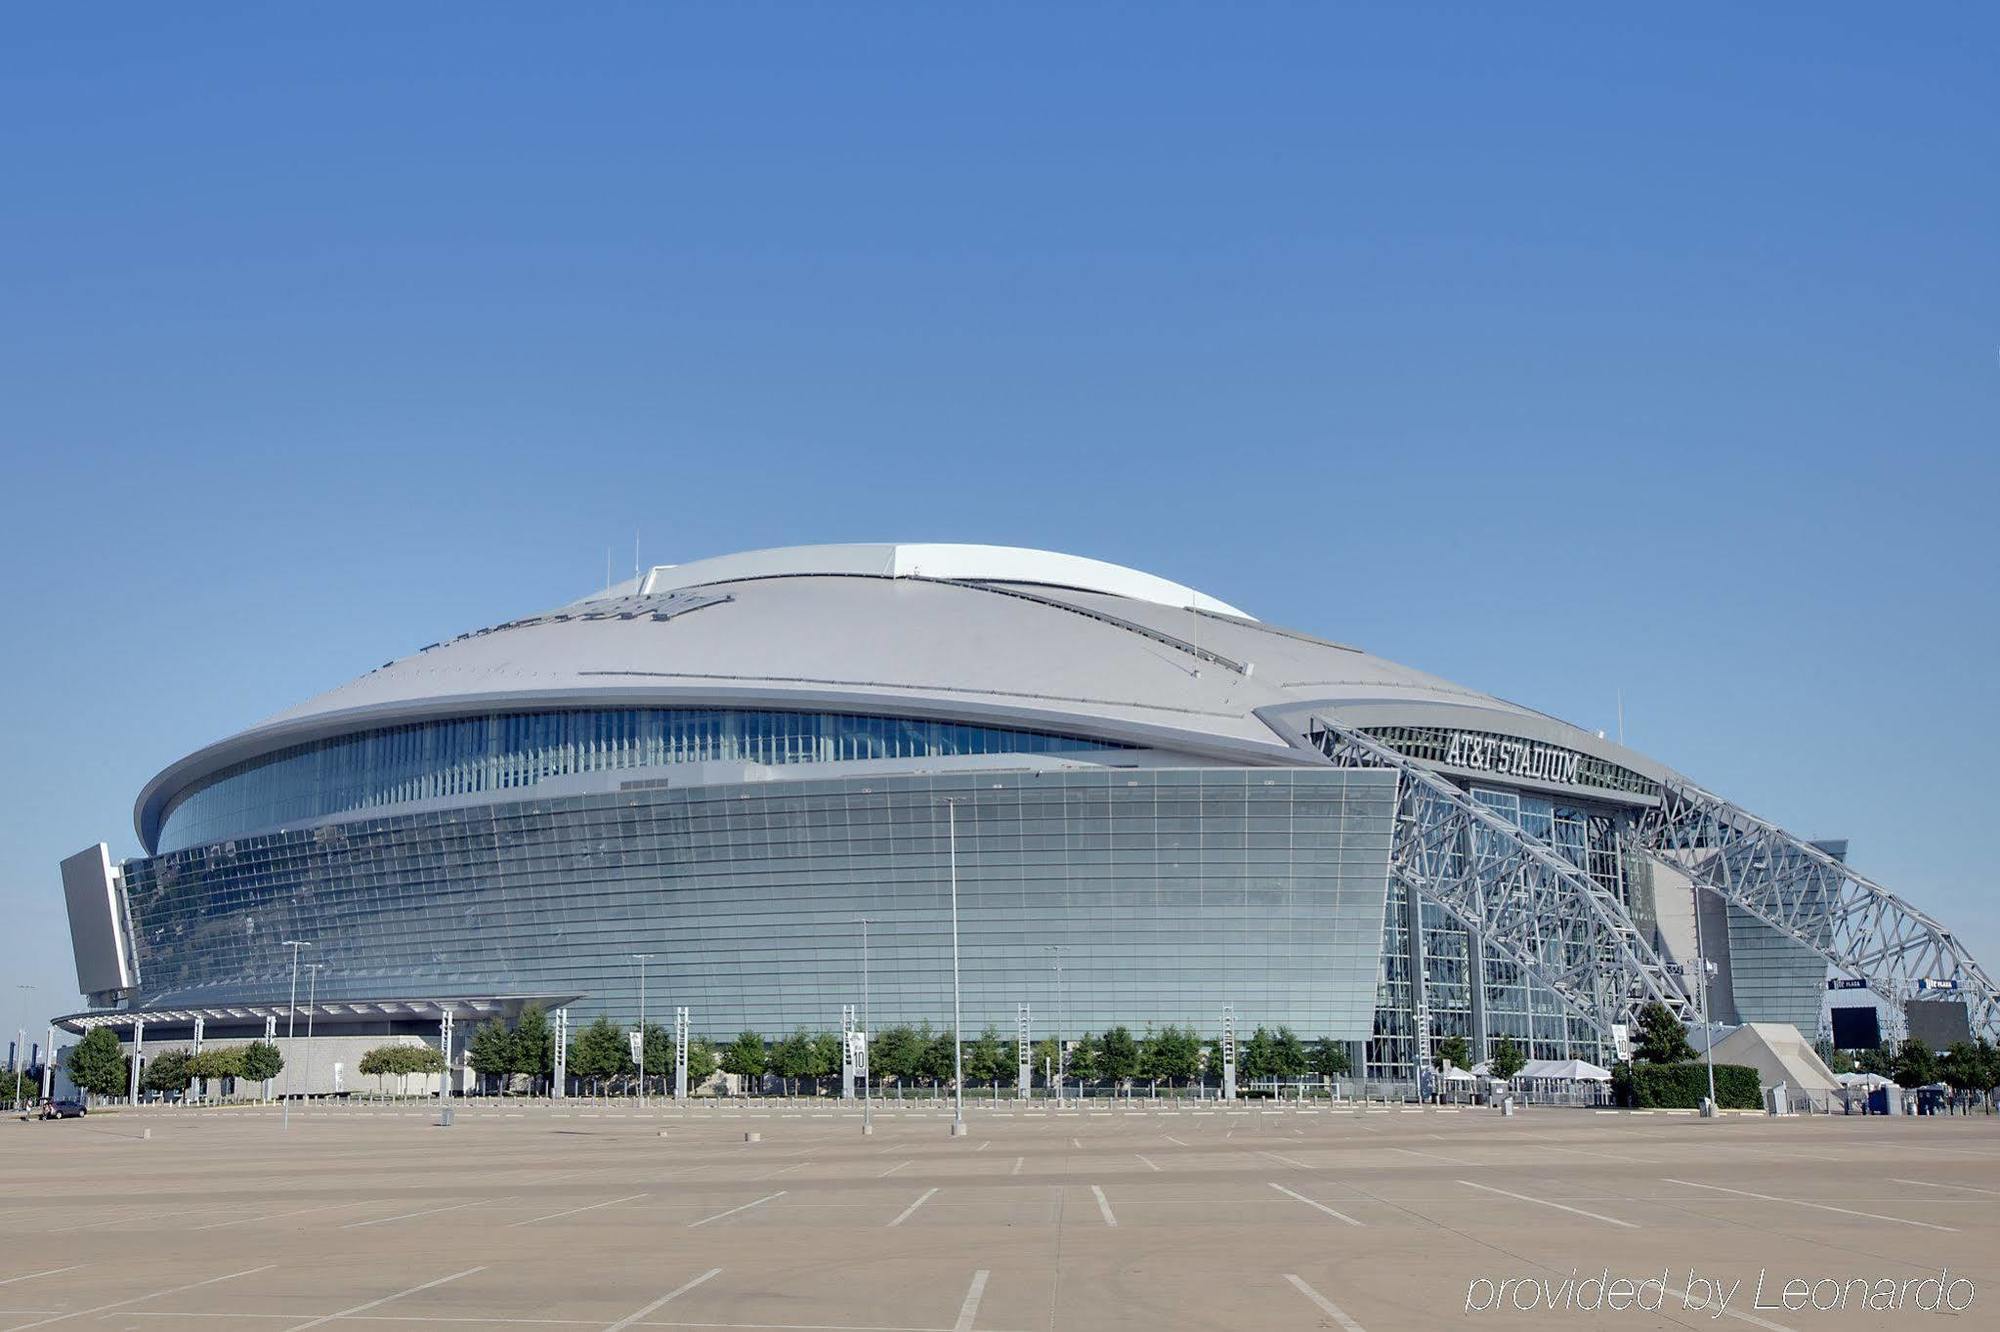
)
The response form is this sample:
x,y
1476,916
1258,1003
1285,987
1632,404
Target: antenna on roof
x,y
607,568
635,559
1621,716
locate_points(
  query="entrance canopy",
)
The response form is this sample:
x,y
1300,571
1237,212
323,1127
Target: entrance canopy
x,y
326,1012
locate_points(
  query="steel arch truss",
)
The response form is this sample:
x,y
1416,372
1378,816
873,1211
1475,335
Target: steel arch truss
x,y
1799,890
1525,900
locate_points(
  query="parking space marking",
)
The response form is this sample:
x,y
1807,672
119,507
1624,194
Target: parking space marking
x,y
552,1216
734,1210
1172,1139
139,1299
894,1168
1691,1301
1104,1206
428,1211
911,1210
783,1170
681,1289
376,1304
1285,1160
969,1310
1327,1306
1824,1207
275,1216
1411,1151
48,1271
1544,1202
1339,1216
1147,1159
1017,1165
1967,1187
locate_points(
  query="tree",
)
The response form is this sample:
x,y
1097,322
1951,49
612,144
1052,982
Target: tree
x,y
1084,1058
216,1064
746,1058
1916,1064
793,1058
1118,1056
1507,1059
827,1052
600,1051
398,1062
534,1045
1288,1055
1171,1055
702,1062
1881,1061
1257,1057
1452,1052
491,1053
167,1071
658,1044
1215,1065
262,1061
1047,1060
1662,1037
936,1065
987,1060
896,1054
1329,1058
1964,1067
98,1064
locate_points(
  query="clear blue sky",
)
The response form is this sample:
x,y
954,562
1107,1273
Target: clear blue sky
x,y
1557,355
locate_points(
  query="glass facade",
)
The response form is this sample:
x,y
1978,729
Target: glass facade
x,y
1171,892
507,751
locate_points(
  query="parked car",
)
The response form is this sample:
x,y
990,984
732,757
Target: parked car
x,y
64,1109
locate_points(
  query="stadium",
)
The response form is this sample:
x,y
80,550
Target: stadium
x,y
755,786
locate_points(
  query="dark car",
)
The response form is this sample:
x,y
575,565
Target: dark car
x,y
64,1109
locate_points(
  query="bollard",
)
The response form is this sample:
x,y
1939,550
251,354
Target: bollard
x,y
753,1137
145,1134
663,1133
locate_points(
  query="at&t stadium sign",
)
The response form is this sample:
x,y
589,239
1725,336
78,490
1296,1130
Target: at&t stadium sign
x,y
1511,758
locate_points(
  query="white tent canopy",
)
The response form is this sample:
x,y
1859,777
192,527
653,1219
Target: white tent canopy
x,y
1865,1081
1566,1070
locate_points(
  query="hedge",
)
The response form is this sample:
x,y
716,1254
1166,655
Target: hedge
x,y
1682,1086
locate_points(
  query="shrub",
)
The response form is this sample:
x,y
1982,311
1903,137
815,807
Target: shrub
x,y
1682,1086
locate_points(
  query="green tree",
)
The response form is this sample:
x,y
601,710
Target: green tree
x,y
1084,1057
702,1062
167,1071
1329,1058
1452,1052
1048,1060
262,1061
1662,1037
1257,1058
1916,1064
491,1053
1881,1061
792,1059
826,1053
216,1064
1172,1055
936,1064
1288,1054
988,1060
534,1045
1507,1059
1117,1056
1964,1067
600,1051
1214,1064
399,1062
658,1043
98,1064
747,1059
896,1054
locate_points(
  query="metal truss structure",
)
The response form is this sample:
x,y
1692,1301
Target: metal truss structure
x,y
1859,926
1520,896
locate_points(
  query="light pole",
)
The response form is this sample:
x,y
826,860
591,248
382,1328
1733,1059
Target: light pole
x,y
641,959
1055,952
291,1022
21,1041
867,1073
957,1046
1707,1032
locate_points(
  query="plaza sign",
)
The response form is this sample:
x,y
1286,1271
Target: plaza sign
x,y
1511,758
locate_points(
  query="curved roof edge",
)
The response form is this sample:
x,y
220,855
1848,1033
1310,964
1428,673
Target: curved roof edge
x,y
963,563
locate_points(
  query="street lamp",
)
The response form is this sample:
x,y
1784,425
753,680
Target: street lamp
x,y
312,1007
1055,952
291,1022
957,1047
867,1074
1707,1032
21,1042
641,959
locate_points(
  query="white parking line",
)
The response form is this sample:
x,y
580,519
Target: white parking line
x,y
372,1304
47,1271
1017,1165
1148,1160
1327,1306
1824,1207
783,1170
683,1289
910,1211
1544,1202
1411,1151
1341,1216
275,1216
1285,1160
1172,1139
137,1299
1691,1301
970,1309
984,1145
1104,1206
1967,1187
894,1168
428,1211
630,1197
734,1210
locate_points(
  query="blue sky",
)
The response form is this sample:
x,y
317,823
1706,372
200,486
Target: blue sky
x,y
1556,352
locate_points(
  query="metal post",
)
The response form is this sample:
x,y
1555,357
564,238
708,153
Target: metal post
x,y
680,1054
200,1026
270,1039
561,1065
847,1052
291,1025
1052,1075
867,1077
312,1009
1707,1032
1024,1053
445,1033
957,1043
138,1054
641,959
49,1066
1228,1052
21,1041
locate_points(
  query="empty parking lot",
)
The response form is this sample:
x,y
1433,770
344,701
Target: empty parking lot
x,y
1108,1217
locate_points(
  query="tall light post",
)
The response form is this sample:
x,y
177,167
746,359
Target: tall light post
x,y
957,1046
1707,1032
1055,952
641,959
867,1073
21,1041
291,1022
312,1007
